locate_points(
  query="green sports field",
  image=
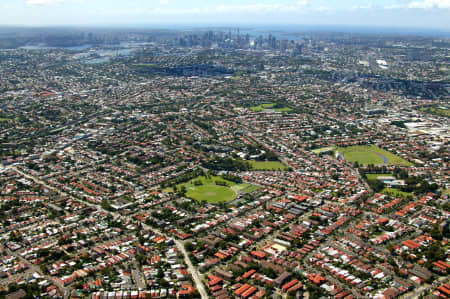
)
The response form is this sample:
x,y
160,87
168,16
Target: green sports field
x,y
245,188
373,176
284,109
323,149
371,154
211,192
437,111
264,107
396,193
267,165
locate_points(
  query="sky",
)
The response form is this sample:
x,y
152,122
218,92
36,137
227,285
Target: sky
x,y
371,13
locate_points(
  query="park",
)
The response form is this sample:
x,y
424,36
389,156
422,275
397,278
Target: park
x,y
212,189
371,154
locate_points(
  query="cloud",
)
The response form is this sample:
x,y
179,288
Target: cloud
x,y
260,8
49,2
43,2
302,2
223,9
430,4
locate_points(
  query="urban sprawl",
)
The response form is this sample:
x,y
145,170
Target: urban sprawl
x,y
221,165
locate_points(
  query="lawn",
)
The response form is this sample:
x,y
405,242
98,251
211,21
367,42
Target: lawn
x,y
447,191
261,107
245,188
264,107
396,193
267,165
437,111
211,193
208,191
146,64
374,176
284,109
323,149
371,154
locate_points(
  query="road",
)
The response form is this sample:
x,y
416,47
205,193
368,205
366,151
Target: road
x,y
65,291
191,269
137,276
417,292
314,269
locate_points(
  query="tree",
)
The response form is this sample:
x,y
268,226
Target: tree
x,y
43,269
15,237
106,205
182,191
188,246
376,185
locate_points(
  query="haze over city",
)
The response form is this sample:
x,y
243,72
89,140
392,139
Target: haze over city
x,y
379,13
